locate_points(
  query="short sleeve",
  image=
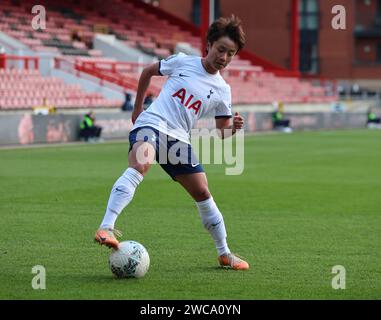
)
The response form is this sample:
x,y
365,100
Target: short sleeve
x,y
224,107
168,65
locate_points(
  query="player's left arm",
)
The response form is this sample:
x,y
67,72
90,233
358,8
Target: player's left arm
x,y
226,128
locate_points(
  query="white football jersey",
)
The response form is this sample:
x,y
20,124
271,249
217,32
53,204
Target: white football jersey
x,y
189,94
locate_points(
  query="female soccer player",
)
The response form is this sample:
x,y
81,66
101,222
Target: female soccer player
x,y
193,89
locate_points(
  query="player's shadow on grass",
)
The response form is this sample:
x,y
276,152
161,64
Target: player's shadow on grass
x,y
103,278
214,268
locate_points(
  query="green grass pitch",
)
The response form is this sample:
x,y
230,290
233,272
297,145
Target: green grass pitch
x,y
305,203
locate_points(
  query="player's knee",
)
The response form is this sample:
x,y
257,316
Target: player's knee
x,y
141,157
202,194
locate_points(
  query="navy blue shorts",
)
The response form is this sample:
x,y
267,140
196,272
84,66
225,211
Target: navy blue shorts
x,y
174,156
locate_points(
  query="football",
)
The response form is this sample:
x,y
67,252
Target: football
x,y
131,260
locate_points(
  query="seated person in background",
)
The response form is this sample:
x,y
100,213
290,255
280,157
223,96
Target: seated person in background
x,y
279,123
373,121
88,130
148,101
127,105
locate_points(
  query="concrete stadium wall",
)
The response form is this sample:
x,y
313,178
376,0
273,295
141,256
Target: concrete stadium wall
x,y
30,129
113,48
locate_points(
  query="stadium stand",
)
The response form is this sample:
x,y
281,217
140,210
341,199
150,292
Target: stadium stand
x,y
124,74
69,34
25,89
130,24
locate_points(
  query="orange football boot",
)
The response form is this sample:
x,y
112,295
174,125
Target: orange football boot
x,y
232,261
107,237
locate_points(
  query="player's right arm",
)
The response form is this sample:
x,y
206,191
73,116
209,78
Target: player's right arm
x,y
144,81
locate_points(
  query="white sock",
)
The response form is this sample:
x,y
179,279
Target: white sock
x,y
121,195
214,222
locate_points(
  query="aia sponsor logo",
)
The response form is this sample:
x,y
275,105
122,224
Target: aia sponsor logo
x,y
187,101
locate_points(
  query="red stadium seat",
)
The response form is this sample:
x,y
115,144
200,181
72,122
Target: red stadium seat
x,y
24,89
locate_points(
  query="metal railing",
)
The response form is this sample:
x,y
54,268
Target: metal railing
x,y
18,62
